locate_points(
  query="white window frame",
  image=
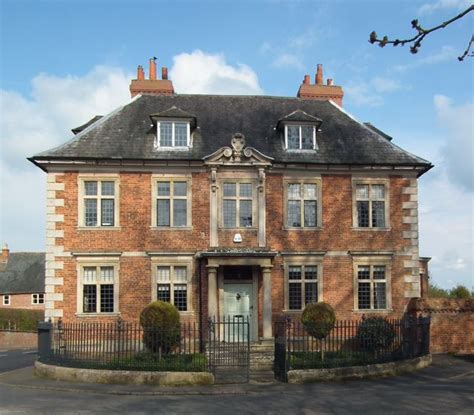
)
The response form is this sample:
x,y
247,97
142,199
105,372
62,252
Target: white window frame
x,y
84,262
315,147
237,198
155,179
99,178
37,298
319,215
303,262
173,122
370,182
173,262
385,261
7,299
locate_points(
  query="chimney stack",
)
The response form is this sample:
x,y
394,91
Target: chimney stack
x,y
319,75
5,254
319,91
152,86
152,73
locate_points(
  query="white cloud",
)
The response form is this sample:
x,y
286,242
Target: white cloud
x,y
362,94
382,85
432,7
446,54
458,152
288,60
31,125
201,73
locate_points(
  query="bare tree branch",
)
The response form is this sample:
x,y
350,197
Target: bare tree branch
x,y
421,34
466,52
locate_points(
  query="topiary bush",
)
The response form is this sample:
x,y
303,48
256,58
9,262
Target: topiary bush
x,y
375,334
161,327
318,319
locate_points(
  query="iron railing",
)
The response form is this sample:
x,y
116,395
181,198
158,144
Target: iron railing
x,y
122,345
349,343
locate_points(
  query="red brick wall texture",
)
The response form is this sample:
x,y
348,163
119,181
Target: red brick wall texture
x,y
136,235
21,301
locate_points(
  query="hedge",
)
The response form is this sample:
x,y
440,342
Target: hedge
x,y
20,319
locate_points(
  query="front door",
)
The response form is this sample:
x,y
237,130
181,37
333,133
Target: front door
x,y
238,308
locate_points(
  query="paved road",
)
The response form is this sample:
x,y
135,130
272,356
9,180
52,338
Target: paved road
x,y
444,388
16,359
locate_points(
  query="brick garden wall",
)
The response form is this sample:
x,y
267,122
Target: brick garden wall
x,y
452,323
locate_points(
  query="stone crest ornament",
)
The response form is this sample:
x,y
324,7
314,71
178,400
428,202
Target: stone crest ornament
x,y
238,154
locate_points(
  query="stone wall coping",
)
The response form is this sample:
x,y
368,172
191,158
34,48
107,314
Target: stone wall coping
x,y
358,372
443,305
71,374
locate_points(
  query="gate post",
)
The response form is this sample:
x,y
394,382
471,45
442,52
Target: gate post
x,y
280,362
45,338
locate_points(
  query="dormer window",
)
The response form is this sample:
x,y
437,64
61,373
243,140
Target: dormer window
x,y
300,137
173,134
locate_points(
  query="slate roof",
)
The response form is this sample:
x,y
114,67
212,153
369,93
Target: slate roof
x,y
128,132
24,273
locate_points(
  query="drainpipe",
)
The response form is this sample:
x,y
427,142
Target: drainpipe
x,y
201,328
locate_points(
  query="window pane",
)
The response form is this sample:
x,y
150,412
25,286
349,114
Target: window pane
x,y
108,188
294,296
364,295
362,191
379,272
180,212
90,188
294,213
230,213
180,297
293,137
90,275
378,214
180,274
294,191
107,274
363,214
180,134
380,300
363,272
89,299
230,189
165,134
40,298
163,188
90,212
294,273
245,190
107,298
245,213
107,212
310,293
163,212
310,213
309,191
163,293
311,273
180,188
163,274
377,191
307,137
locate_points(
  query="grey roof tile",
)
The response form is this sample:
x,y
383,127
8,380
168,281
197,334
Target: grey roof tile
x,y
24,273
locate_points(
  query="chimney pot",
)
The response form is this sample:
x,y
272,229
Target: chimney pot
x,y
319,75
164,73
152,69
140,73
5,253
306,80
330,82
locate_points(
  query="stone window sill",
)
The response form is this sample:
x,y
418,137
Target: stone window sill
x,y
171,228
85,315
302,228
372,229
374,311
99,228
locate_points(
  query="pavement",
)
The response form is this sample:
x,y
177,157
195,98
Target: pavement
x,y
447,386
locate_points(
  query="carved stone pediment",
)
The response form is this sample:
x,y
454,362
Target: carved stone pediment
x,y
238,154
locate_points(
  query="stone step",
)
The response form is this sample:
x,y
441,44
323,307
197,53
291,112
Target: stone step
x,y
262,376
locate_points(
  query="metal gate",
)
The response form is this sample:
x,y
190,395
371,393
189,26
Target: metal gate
x,y
228,349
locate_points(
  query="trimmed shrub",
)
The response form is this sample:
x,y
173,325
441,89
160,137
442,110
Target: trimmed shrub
x,y
375,334
20,319
318,319
161,327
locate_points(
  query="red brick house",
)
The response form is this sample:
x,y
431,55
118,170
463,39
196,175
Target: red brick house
x,y
22,279
230,205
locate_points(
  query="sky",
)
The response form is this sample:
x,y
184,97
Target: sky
x,y
62,62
